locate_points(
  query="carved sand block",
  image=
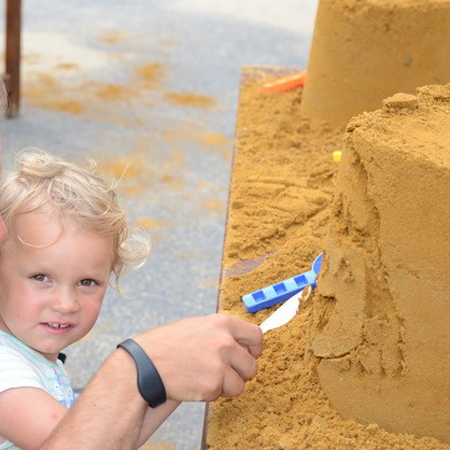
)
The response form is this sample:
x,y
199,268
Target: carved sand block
x,y
383,315
366,50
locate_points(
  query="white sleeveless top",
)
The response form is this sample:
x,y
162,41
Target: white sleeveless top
x,y
21,366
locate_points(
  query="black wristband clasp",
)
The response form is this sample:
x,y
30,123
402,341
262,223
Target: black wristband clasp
x,y
150,384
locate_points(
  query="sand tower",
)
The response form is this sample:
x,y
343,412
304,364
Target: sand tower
x,y
383,317
366,50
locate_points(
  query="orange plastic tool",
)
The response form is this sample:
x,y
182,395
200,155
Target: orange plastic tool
x,y
284,83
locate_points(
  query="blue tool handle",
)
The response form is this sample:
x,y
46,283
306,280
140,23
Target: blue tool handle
x,y
279,292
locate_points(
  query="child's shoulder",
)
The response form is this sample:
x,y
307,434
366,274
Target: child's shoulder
x,y
14,351
11,349
18,369
8,343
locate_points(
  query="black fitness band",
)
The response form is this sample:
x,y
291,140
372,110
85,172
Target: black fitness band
x,y
150,384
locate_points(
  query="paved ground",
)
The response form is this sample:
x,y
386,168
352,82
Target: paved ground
x,y
152,86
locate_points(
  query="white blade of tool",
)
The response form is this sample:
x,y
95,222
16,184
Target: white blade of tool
x,y
286,311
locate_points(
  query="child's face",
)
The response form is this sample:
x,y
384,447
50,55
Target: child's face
x,y
50,297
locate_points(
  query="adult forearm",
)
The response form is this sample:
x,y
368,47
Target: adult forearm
x,y
198,359
109,414
154,418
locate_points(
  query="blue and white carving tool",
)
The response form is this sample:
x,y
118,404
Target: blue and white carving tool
x,y
279,292
286,311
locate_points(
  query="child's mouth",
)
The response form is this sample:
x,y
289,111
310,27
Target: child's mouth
x,y
57,325
58,328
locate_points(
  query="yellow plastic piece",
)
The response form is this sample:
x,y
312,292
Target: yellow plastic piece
x,y
337,154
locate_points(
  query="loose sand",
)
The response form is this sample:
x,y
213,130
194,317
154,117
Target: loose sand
x,y
281,191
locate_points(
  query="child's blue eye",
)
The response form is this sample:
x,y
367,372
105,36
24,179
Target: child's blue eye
x,y
40,277
88,282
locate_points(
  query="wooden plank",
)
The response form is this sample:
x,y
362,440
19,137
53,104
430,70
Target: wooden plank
x,y
12,63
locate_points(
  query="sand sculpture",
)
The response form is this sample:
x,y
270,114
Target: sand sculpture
x,y
285,205
366,363
366,50
385,347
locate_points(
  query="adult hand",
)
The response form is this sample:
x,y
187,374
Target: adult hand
x,y
203,358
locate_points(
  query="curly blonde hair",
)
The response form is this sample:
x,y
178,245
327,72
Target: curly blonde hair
x,y
79,194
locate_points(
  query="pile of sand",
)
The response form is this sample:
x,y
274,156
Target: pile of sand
x,y
281,193
373,345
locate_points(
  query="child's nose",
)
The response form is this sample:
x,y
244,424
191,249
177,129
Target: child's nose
x,y
65,301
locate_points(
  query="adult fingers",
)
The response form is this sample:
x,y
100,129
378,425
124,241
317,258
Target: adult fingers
x,y
243,363
247,334
233,384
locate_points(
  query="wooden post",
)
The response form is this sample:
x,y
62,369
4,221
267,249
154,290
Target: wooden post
x,y
12,63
